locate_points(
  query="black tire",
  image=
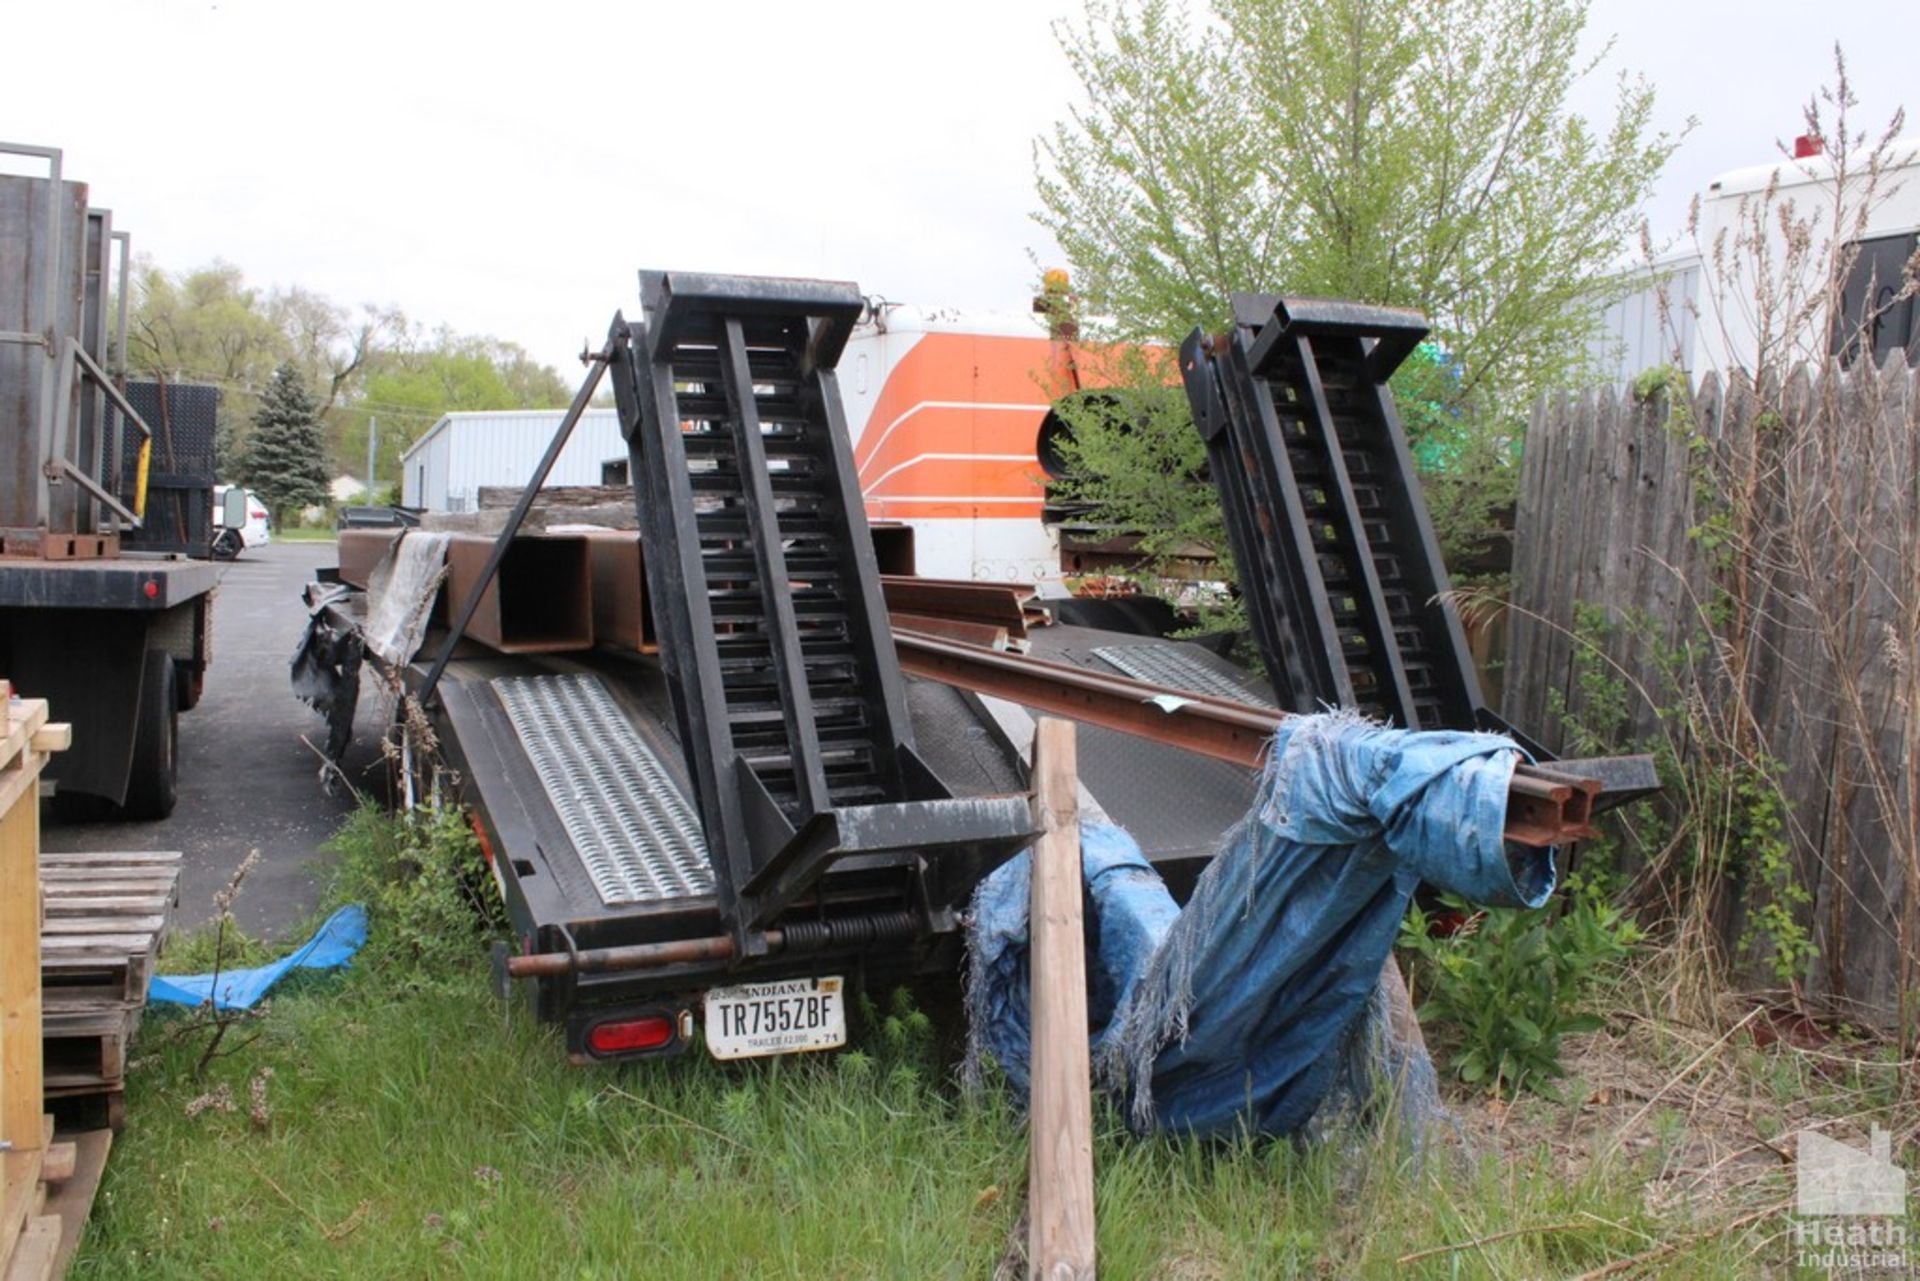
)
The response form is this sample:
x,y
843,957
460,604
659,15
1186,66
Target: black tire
x,y
152,782
228,544
188,684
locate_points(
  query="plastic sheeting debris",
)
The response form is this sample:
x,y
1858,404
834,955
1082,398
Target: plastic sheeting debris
x,y
1261,1004
326,670
332,945
400,594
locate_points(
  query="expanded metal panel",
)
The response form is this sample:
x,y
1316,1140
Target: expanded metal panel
x,y
637,838
181,471
1177,667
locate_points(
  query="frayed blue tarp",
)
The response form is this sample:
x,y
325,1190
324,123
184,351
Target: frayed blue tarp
x,y
333,945
1248,1008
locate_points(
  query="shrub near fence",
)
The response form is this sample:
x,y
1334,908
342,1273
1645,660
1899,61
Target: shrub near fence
x,y
1754,552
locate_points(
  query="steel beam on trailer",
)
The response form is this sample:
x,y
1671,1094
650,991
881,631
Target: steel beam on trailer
x,y
597,365
1543,807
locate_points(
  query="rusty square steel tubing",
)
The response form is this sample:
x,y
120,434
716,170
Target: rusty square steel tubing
x,y
620,614
361,550
540,602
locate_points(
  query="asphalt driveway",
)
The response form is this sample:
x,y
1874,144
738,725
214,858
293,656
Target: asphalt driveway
x,y
247,780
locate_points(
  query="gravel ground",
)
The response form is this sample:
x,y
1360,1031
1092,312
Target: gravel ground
x,y
247,780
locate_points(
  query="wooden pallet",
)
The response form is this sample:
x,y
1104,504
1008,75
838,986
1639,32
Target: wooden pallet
x,y
106,916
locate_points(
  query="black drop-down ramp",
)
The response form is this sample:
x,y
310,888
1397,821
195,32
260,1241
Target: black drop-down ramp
x,y
766,596
1342,575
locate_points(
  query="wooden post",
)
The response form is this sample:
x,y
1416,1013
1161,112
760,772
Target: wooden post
x,y
1060,1118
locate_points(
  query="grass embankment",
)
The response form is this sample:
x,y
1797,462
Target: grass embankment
x,y
303,534
398,1121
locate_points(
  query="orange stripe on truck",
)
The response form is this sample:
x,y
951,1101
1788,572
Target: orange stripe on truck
x,y
954,429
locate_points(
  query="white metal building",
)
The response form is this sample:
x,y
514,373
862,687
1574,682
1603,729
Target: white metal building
x,y
445,468
1708,322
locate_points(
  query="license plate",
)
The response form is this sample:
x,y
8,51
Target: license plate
x,y
790,1016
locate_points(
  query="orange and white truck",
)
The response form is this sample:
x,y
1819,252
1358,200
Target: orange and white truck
x,y
945,410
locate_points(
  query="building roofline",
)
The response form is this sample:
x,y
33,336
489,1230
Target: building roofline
x,y
447,421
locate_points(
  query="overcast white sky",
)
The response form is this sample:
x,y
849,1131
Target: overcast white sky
x,y
504,169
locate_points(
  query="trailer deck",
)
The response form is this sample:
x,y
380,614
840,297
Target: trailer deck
x,y
572,768
131,581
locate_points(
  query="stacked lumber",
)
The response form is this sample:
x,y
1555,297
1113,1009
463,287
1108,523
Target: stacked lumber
x,y
106,916
34,1223
44,1220
994,615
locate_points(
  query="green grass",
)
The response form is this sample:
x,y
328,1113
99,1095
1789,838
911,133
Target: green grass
x,y
302,534
418,1127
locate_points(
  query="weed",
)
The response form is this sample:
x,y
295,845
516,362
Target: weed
x,y
1504,989
428,893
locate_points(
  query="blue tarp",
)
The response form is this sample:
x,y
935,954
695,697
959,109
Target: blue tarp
x,y
1247,1008
331,946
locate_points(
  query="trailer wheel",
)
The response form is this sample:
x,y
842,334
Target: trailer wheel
x,y
151,785
189,684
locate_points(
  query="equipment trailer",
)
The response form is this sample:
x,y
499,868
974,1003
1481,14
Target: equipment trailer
x,y
767,808
117,642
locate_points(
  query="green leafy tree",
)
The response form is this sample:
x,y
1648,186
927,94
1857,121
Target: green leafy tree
x,y
441,374
1410,155
209,326
285,456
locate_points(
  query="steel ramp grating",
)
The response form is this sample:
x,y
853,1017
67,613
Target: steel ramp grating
x,y
1175,668
636,836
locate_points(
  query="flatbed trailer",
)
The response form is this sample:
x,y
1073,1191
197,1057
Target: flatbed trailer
x,y
767,807
572,772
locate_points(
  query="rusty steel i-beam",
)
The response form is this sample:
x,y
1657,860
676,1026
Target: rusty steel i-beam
x,y
1543,807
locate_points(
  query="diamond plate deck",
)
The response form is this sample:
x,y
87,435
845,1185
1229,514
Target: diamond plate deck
x,y
1176,668
636,836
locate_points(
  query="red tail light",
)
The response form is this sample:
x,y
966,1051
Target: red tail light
x,y
632,1036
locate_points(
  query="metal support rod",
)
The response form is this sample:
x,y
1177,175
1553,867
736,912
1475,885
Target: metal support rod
x,y
636,956
1543,807
770,559
125,241
93,487
102,380
581,399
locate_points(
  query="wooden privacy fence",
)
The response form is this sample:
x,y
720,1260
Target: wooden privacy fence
x,y
1785,516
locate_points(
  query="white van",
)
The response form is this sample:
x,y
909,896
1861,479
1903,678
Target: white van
x,y
1709,324
240,521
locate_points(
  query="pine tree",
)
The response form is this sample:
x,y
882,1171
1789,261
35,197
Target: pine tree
x,y
284,459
